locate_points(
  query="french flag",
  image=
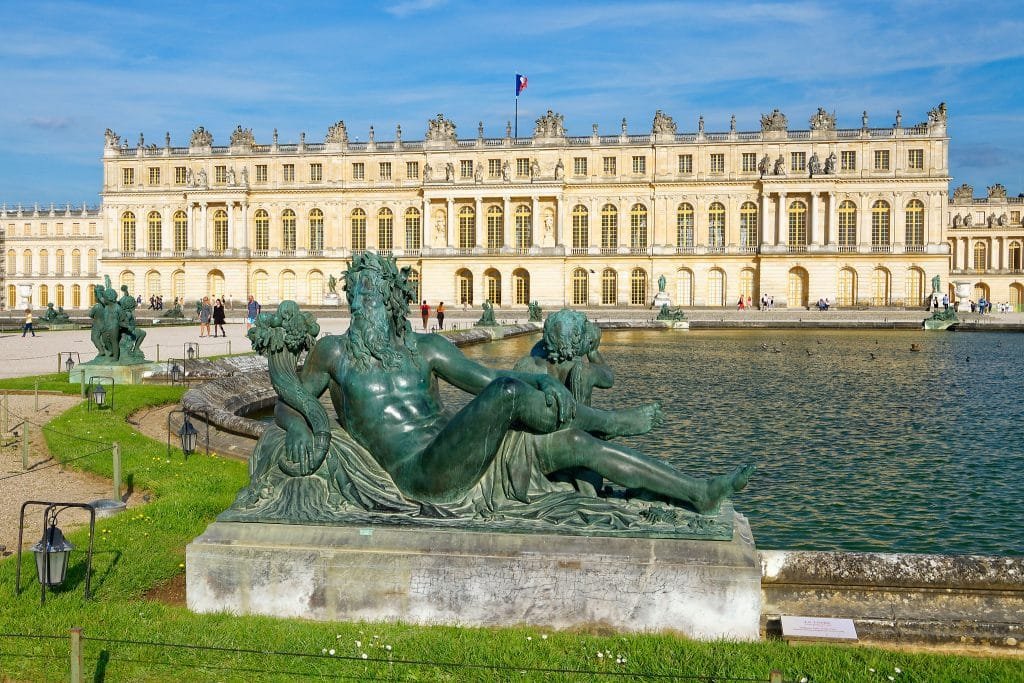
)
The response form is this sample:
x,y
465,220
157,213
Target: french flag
x,y
520,84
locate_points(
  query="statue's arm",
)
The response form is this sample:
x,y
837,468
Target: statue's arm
x,y
600,374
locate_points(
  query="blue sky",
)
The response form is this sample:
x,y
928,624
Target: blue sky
x,y
71,69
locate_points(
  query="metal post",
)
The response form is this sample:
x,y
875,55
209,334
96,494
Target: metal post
x,y
229,347
6,417
157,353
76,655
117,470
24,445
37,395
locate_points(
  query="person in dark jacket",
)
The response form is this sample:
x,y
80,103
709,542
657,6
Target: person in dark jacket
x,y
218,318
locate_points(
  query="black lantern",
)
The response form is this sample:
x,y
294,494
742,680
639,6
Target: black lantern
x,y
52,553
177,374
69,364
191,353
188,435
99,396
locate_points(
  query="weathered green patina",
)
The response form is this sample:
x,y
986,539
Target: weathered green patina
x,y
396,455
536,312
941,320
55,316
666,312
487,317
114,333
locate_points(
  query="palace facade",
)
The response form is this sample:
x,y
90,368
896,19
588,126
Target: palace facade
x,y
861,216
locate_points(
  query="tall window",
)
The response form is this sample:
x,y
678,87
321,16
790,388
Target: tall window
x,y
609,287
261,285
467,227
748,225
608,165
915,287
44,262
749,161
412,228
12,262
880,216
181,231
717,164
684,287
358,223
639,164
579,166
881,160
262,230
178,284
685,163
716,225
26,262
798,161
1015,256
128,231
384,170
638,228
315,288
848,161
464,286
524,227
154,175
747,284
385,230
153,287
220,230
58,267
580,229
492,285
521,286
880,287
847,226
915,223
154,232
180,175
797,225
288,285
91,261
798,286
495,228
609,229
414,283
915,159
466,169
288,173
494,168
220,174
716,287
261,174
523,168
316,230
76,262
44,295
412,170
638,287
580,287
288,231
684,226
76,296
316,173
980,256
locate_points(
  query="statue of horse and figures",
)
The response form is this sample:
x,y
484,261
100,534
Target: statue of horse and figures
x,y
115,333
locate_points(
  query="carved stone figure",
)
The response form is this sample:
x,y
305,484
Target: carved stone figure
x,y
814,165
780,166
201,179
559,170
440,129
774,122
830,164
506,171
822,120
764,165
201,138
337,133
245,176
242,136
231,176
1003,220
700,125
440,227
899,119
490,460
427,173
991,220
549,223
534,169
487,317
478,175
175,311
968,219
663,124
996,191
332,284
190,180
937,116
449,172
732,123
551,125
964,193
111,140
864,119
536,313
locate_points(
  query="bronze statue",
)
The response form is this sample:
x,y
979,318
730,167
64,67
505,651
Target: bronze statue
x,y
487,317
57,315
536,312
395,449
114,332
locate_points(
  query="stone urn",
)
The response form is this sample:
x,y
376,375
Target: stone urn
x,y
963,295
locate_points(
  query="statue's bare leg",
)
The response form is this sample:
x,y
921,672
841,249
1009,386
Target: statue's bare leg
x,y
632,469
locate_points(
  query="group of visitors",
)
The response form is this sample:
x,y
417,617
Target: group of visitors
x,y
156,303
824,304
425,314
215,314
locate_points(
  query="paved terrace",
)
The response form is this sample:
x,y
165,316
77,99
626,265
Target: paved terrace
x,y
34,356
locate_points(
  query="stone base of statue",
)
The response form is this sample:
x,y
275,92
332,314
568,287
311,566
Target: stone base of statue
x,y
332,300
661,299
133,373
706,590
57,327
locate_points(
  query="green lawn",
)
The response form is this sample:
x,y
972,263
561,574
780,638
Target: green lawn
x,y
130,637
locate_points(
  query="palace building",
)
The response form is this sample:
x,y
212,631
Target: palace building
x,y
859,216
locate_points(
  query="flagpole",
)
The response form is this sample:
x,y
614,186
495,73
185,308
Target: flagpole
x,y
517,116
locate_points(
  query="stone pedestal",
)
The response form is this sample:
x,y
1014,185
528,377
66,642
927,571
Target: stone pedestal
x,y
122,374
331,299
702,589
661,299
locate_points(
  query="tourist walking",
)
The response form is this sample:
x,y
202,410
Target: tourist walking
x,y
27,327
252,309
440,316
425,313
205,314
945,302
218,318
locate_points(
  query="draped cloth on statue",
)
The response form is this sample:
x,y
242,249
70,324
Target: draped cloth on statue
x,y
350,487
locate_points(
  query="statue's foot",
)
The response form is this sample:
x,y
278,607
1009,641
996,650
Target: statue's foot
x,y
721,486
632,421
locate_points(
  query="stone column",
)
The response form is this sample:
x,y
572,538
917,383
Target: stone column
x,y
426,225
782,234
814,238
863,222
167,230
536,223
231,223
506,217
202,241
766,226
243,233
831,225
450,221
480,222
559,222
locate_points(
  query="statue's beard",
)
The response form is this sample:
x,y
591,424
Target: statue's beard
x,y
370,339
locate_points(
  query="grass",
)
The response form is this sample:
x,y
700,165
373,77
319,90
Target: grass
x,y
129,636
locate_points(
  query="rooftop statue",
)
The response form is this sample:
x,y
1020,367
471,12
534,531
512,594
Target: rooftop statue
x,y
996,191
395,455
551,125
440,129
663,124
337,133
776,121
114,333
822,120
964,193
201,138
243,136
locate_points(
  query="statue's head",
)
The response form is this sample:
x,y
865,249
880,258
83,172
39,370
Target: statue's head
x,y
378,294
566,335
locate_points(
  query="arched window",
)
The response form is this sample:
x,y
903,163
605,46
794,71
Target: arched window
x,y
262,231
154,232
464,286
287,285
847,294
385,231
748,226
414,283
26,262
358,220
181,231
12,265
880,287
220,231
797,226
914,287
915,224
716,287
880,222
91,261
44,295
492,285
980,256
215,284
521,286
684,287
316,231
495,229
58,267
315,285
609,287
412,228
467,228
1015,256
12,296
847,227
580,287
261,286
524,228
76,262
128,232
981,291
638,229
798,286
44,262
153,284
288,231
178,284
684,227
60,296
638,287
609,229
127,279
747,284
580,229
76,296
716,226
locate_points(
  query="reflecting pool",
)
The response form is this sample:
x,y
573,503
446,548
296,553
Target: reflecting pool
x,y
860,442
